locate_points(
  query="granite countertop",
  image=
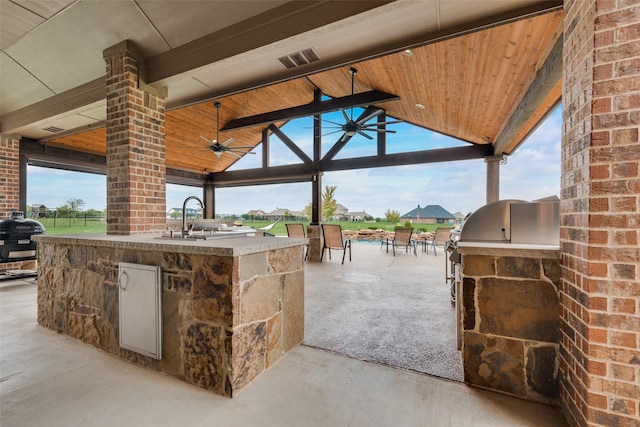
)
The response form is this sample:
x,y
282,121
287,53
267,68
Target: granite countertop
x,y
509,249
225,246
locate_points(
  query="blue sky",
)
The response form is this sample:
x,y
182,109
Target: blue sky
x,y
532,172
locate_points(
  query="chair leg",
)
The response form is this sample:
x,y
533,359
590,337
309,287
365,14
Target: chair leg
x,y
322,254
394,248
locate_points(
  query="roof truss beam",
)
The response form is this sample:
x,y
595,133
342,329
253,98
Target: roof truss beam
x,y
311,109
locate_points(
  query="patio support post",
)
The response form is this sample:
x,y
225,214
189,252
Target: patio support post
x,y
313,230
209,198
136,168
493,177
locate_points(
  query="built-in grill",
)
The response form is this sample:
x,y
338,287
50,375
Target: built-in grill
x,y
15,238
506,222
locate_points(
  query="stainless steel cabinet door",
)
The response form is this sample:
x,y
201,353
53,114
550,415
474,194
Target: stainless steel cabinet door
x,y
141,308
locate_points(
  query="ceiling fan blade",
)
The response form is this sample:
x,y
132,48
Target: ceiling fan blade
x,y
241,146
345,115
241,152
207,139
328,121
382,123
365,118
364,134
330,133
231,153
378,130
344,138
228,141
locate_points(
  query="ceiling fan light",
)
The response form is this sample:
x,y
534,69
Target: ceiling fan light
x,y
407,52
350,132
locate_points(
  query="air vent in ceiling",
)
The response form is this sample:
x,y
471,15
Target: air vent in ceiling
x,y
53,129
298,59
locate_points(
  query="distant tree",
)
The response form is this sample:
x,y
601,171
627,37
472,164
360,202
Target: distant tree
x,y
75,204
307,210
329,204
287,215
368,218
176,215
392,215
63,211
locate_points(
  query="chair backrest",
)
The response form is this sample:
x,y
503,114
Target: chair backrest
x,y
332,236
442,235
403,235
295,230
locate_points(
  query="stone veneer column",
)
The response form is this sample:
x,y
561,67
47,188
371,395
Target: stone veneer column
x,y
600,214
136,171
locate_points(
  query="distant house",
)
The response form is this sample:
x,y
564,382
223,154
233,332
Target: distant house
x,y
177,213
38,211
459,217
256,214
341,213
430,214
357,216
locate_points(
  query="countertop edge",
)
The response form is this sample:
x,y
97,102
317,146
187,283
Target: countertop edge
x,y
233,246
509,249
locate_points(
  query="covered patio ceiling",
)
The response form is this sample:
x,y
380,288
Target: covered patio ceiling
x,y
485,72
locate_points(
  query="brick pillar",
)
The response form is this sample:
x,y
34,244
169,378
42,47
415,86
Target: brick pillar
x,y
136,171
600,215
9,183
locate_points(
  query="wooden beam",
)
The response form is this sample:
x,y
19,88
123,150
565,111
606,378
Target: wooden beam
x,y
548,75
290,144
311,109
410,158
77,161
78,97
273,175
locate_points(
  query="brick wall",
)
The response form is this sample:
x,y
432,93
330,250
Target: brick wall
x,y
136,183
9,184
600,186
9,175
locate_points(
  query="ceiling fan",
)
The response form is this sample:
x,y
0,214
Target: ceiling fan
x,y
359,126
219,148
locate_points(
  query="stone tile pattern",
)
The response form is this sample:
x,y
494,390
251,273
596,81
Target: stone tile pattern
x,y
511,319
599,214
9,185
225,319
136,170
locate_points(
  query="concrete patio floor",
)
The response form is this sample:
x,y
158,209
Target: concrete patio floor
x,y
395,311
54,380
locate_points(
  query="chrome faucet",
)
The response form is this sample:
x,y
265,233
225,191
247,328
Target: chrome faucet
x,y
185,230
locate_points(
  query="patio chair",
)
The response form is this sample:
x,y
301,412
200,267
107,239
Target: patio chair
x,y
296,229
440,238
333,240
402,237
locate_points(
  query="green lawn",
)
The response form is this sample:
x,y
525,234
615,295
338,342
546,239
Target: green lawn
x,y
81,226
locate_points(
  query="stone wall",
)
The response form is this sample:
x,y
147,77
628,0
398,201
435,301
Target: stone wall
x,y
225,319
600,213
510,317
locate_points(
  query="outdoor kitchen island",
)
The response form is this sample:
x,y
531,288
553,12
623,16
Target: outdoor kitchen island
x,y
229,308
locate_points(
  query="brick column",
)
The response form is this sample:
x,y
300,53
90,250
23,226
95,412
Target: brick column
x,y
136,171
9,175
9,184
600,215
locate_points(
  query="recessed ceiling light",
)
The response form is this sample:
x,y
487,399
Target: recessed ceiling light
x,y
420,106
407,52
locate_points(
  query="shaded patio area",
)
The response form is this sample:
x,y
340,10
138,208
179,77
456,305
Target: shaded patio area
x,y
390,310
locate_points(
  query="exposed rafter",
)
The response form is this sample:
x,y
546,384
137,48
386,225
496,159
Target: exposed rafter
x,y
311,109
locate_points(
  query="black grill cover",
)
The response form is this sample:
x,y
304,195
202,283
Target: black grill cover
x,y
15,238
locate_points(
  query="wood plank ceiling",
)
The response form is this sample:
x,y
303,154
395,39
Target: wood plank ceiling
x,y
469,85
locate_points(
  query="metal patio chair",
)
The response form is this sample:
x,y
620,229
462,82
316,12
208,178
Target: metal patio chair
x,y
402,238
333,240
